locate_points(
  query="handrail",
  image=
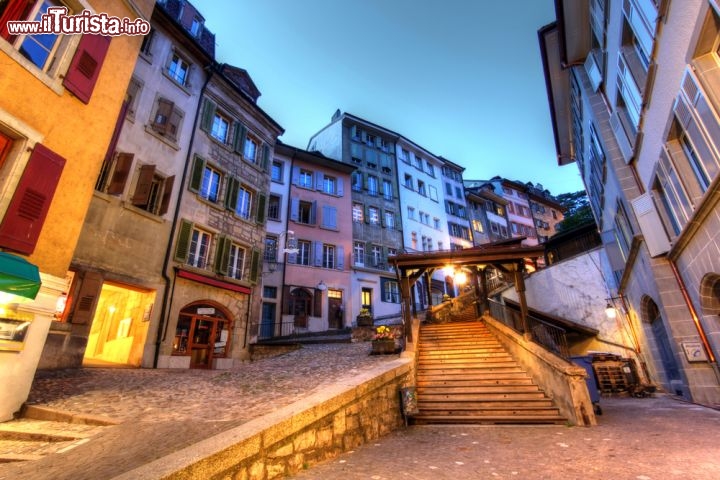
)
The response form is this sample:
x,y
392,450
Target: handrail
x,y
550,336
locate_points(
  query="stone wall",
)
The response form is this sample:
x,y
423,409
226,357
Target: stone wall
x,y
337,419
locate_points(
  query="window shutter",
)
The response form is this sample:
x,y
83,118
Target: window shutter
x,y
340,187
167,193
197,173
15,10
116,132
383,289
182,248
231,193
123,163
329,216
87,298
313,213
144,185
317,300
261,206
319,180
295,175
367,214
295,209
161,121
317,254
340,260
266,158
286,300
255,266
208,114
173,124
239,137
222,255
85,67
23,221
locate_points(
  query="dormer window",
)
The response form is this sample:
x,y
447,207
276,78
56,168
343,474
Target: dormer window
x,y
196,27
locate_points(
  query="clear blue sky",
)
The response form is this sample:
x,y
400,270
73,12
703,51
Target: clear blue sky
x,y
461,78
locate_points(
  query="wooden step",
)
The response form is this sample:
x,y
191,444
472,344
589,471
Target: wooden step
x,y
478,396
490,419
469,382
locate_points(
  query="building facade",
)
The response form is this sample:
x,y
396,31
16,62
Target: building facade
x,y
118,263
376,222
487,211
633,94
63,94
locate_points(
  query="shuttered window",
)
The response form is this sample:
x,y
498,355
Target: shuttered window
x,y
85,68
23,221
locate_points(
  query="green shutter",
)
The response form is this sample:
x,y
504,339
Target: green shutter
x,y
239,137
208,114
197,174
266,157
182,247
222,255
255,266
231,193
260,214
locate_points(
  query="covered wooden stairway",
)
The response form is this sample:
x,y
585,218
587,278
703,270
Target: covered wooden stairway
x,y
465,375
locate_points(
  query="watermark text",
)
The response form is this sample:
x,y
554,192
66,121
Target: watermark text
x,y
57,21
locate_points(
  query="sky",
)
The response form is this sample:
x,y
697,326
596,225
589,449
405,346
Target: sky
x,y
461,78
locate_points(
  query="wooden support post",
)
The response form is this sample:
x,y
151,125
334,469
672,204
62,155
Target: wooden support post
x,y
405,286
520,289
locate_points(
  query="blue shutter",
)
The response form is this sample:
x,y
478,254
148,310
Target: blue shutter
x,y
318,254
340,187
340,260
295,209
295,176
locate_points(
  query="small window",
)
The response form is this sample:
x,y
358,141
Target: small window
x,y
147,43
421,188
372,185
152,191
132,96
210,185
387,190
270,292
166,119
276,171
359,254
220,127
274,207
303,255
243,208
236,261
305,212
178,69
306,179
374,215
357,213
389,220
357,181
408,181
329,185
250,149
433,192
328,256
199,248
411,213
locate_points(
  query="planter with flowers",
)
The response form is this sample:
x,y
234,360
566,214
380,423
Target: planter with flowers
x,y
364,318
383,341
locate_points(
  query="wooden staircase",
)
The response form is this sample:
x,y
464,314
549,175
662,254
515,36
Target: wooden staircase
x,y
466,376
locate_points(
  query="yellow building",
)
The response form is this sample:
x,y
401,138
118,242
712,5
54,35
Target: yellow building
x,y
60,95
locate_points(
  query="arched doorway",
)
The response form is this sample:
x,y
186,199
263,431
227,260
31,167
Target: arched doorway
x,y
710,294
203,333
662,340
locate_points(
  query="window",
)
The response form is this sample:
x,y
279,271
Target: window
x,y
436,223
210,184
328,256
413,240
147,43
152,191
494,228
199,248
220,128
511,208
458,192
243,208
132,96
357,213
448,189
372,185
269,292
387,190
391,291
373,215
429,169
306,179
39,49
376,255
274,207
411,213
195,26
236,262
404,155
421,188
271,243
276,172
359,254
424,218
357,181
389,219
166,119
305,213
329,185
250,149
178,69
477,226
303,255
676,206
433,193
408,181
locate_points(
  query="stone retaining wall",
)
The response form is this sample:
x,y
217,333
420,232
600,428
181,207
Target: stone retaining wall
x,y
337,419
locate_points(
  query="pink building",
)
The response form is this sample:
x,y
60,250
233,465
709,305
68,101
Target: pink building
x,y
316,284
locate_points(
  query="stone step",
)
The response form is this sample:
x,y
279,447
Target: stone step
x,y
504,389
464,381
478,396
464,363
470,355
489,419
477,404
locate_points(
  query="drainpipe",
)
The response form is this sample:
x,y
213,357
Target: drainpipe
x,y
696,320
162,327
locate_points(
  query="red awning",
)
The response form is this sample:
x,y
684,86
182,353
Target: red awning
x,y
214,282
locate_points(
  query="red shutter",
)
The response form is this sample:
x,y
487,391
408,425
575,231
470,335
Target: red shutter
x,y
116,133
14,10
20,228
144,185
5,144
85,67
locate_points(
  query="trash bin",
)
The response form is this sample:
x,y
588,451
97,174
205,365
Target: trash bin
x,y
590,380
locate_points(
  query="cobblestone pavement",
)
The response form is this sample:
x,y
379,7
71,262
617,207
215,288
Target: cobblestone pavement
x,y
164,410
655,438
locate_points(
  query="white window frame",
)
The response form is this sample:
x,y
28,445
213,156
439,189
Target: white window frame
x,y
243,208
199,252
236,261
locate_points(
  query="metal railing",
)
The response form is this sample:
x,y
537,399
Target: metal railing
x,y
550,336
268,330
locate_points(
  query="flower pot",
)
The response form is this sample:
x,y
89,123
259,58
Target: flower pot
x,y
383,346
364,321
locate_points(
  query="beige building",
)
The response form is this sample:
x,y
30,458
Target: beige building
x,y
633,91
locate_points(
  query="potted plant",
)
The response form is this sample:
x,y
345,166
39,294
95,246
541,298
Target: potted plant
x,y
384,340
364,318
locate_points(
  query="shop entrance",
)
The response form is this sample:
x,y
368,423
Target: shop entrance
x,y
203,334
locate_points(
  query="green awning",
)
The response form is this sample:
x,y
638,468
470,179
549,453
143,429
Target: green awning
x,y
18,276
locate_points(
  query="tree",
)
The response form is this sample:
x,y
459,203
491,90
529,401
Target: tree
x,y
577,210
